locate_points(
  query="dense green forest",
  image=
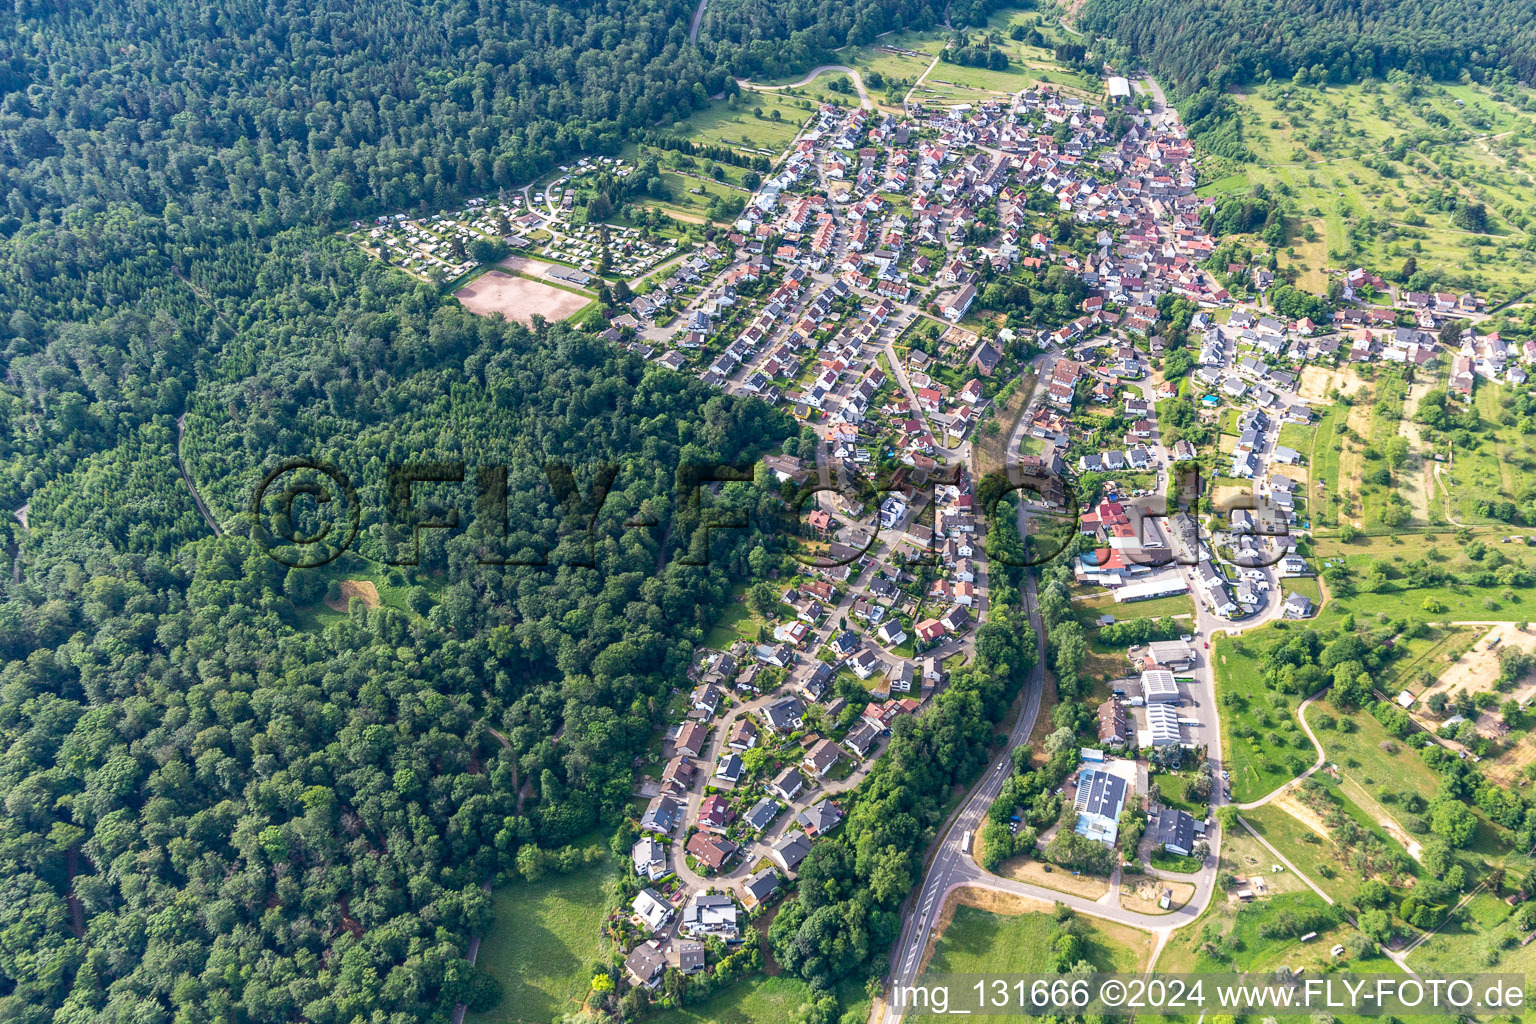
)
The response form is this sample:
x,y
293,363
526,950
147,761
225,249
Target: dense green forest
x,y
1202,48
264,821
1195,43
225,801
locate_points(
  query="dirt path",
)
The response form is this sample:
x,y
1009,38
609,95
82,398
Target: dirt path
x,y
906,101
1351,460
1450,517
181,429
1416,484
1370,805
815,73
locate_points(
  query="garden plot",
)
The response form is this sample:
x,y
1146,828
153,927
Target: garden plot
x,y
1478,669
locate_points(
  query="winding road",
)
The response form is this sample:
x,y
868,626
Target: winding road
x,y
698,19
811,76
952,867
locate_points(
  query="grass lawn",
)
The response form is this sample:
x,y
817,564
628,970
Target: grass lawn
x,y
750,1001
543,944
736,622
1387,767
1263,745
1088,610
1165,861
1458,552
1323,461
739,126
1255,950
320,615
1472,940
1357,199
682,194
1307,586
1175,793
980,941
1314,856
1496,466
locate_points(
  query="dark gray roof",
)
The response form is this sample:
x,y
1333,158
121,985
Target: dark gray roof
x,y
1175,829
1100,793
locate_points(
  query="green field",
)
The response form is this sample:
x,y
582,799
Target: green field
x,y
391,594
1088,610
1382,569
979,941
1175,793
751,1001
1323,460
693,195
736,622
1262,743
1319,859
1387,767
1498,464
735,122
889,76
1480,936
1364,168
543,946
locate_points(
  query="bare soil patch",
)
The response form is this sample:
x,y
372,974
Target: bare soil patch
x,y
354,588
1141,896
1288,803
1478,669
518,298
1415,481
1509,767
1351,461
1024,869
1317,381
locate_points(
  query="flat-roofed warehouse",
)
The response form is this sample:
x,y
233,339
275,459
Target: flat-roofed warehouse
x,y
1172,654
1162,726
1158,687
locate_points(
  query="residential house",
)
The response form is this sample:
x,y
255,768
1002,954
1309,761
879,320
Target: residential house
x,y
652,909
1113,727
711,850
709,913
861,738
743,734
820,818
691,739
759,887
790,850
761,814
715,812
645,965
821,758
649,858
690,956
788,783
661,815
